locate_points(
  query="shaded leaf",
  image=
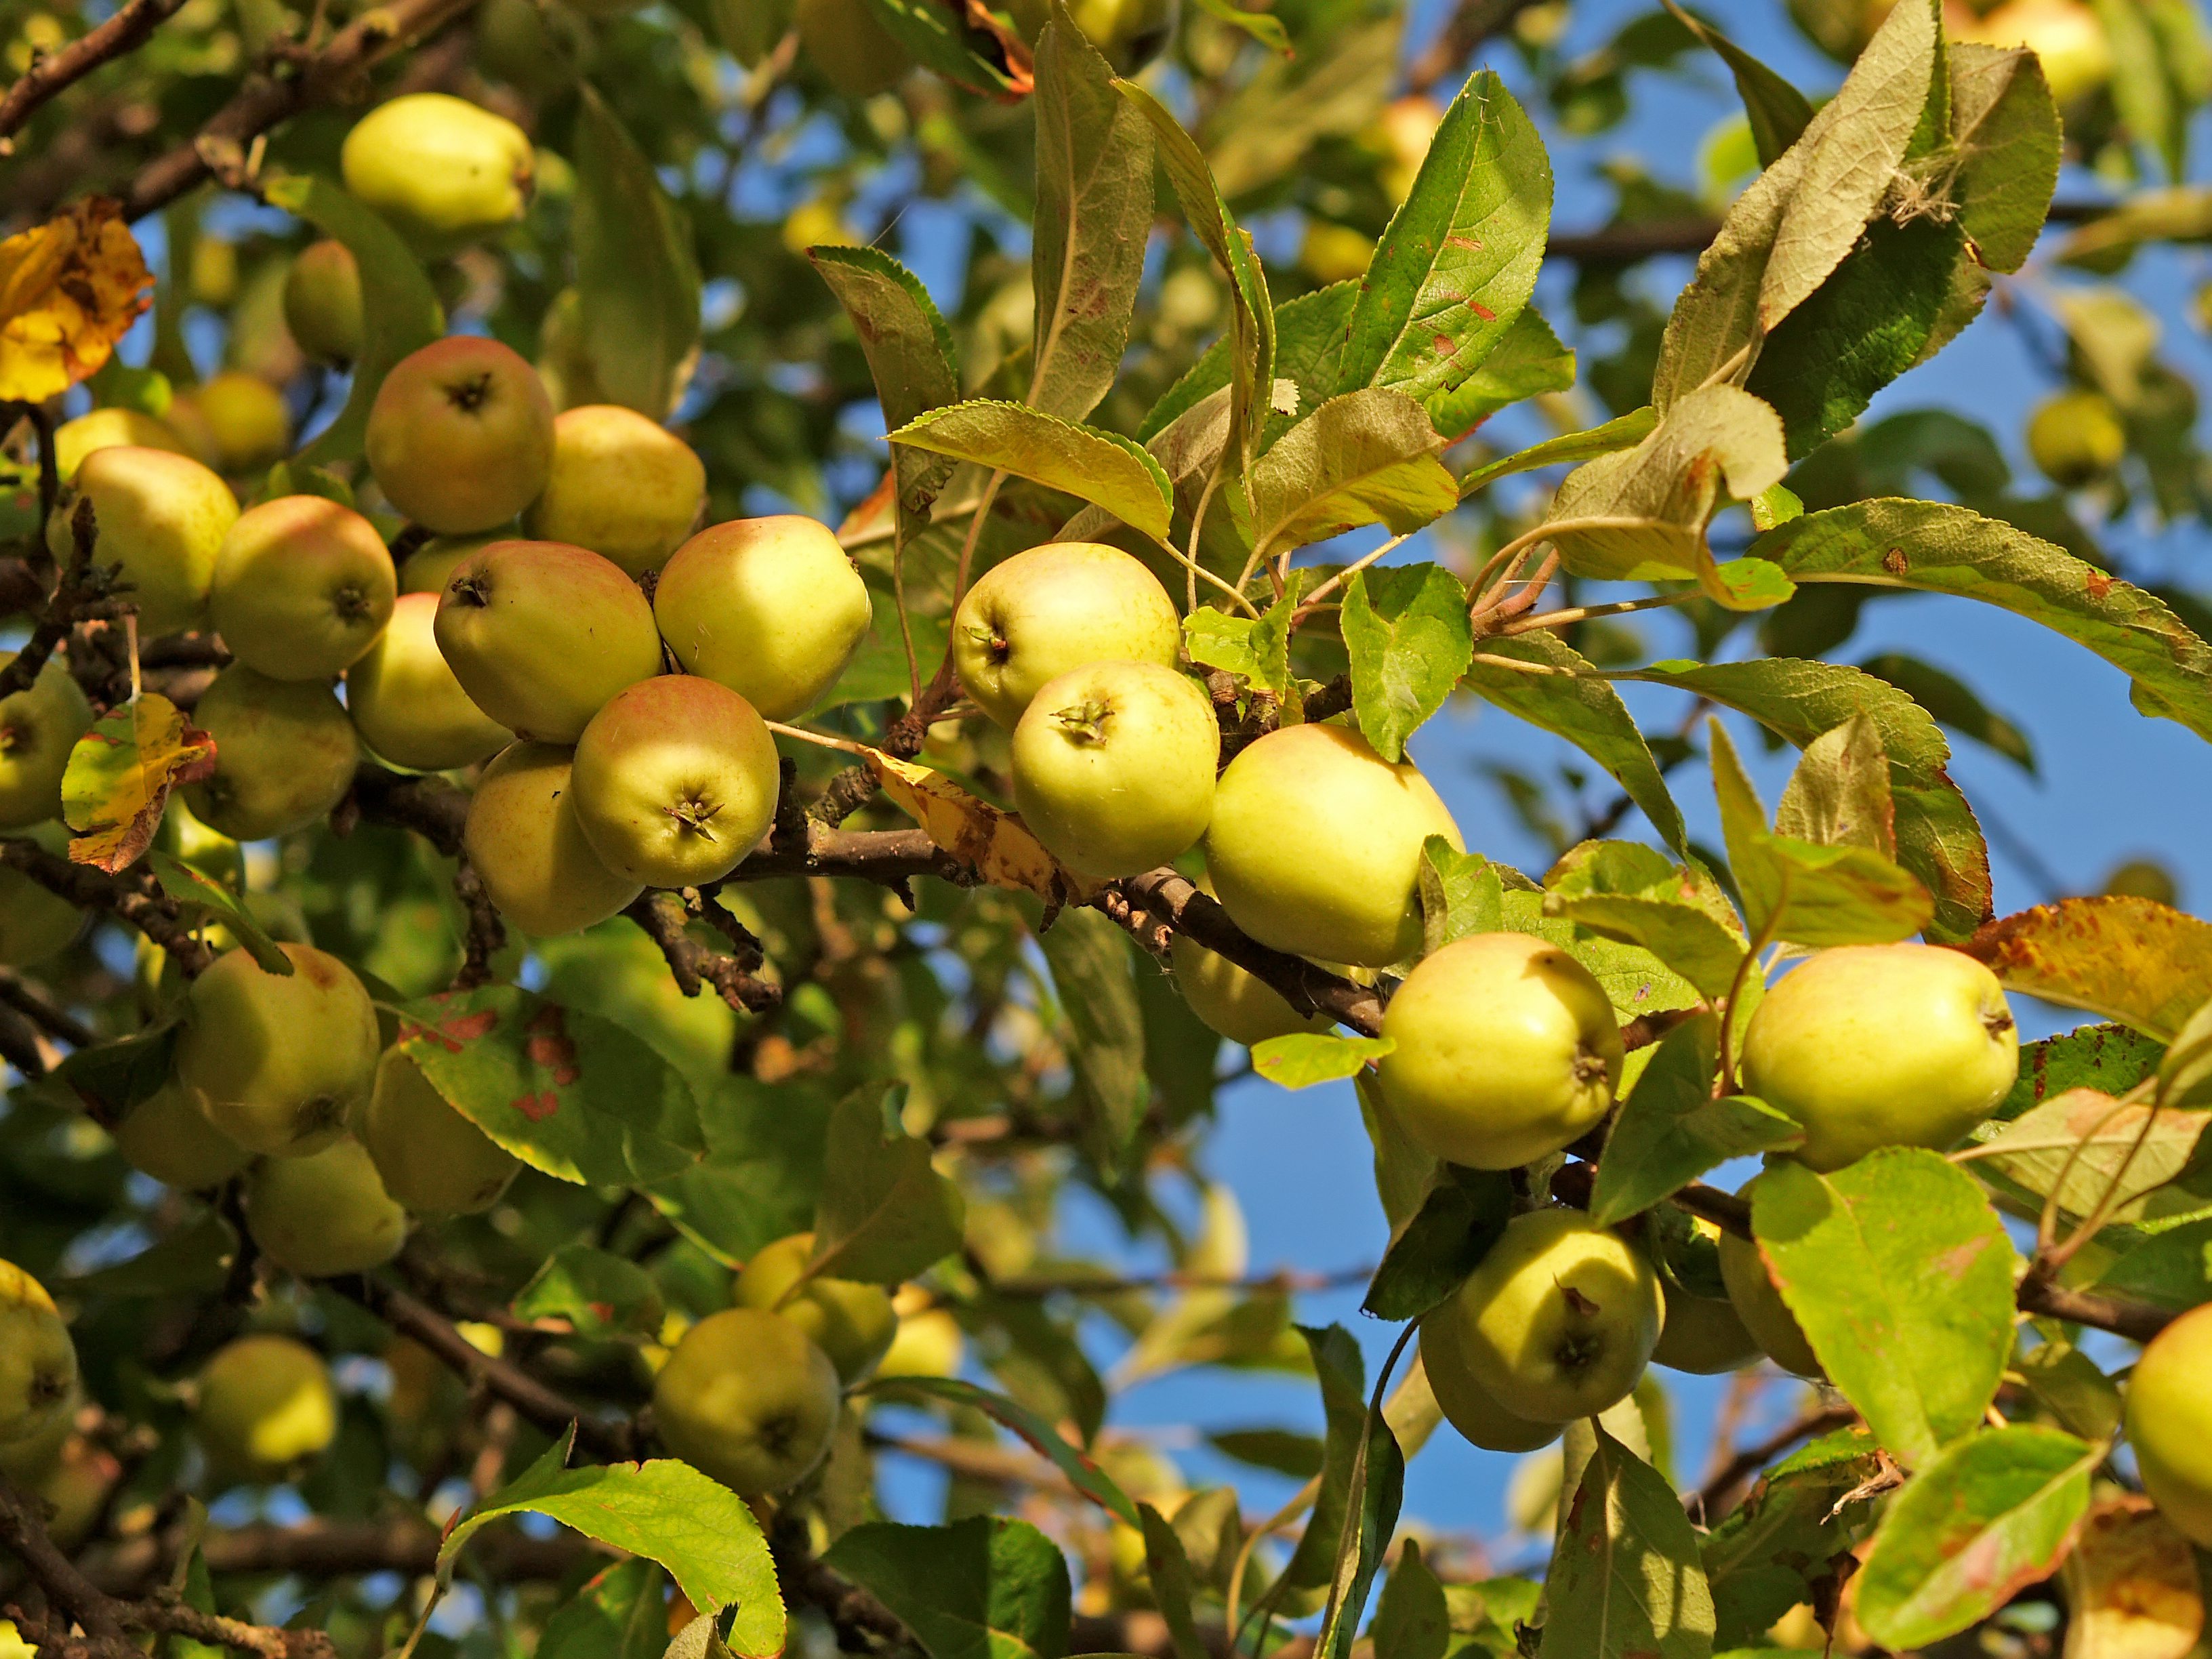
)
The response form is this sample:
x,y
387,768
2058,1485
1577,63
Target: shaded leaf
x,y
2131,959
910,353
762,1168
1412,1620
189,888
120,774
957,45
1379,1481
619,1614
1308,337
1528,361
1407,631
637,281
1102,468
1081,1471
1168,1575
598,1293
1627,891
1094,970
2005,128
1953,703
1464,1214
1791,1539
1671,1130
1625,1580
1343,1377
1778,112
1460,894
106,1080
1368,457
986,1588
884,1214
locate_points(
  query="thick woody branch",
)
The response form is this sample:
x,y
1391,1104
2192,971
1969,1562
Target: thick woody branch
x,y
487,933
31,1002
125,32
663,917
321,1549
428,805
131,899
82,594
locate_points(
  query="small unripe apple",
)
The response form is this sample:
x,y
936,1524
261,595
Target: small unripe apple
x,y
170,1139
2075,438
1234,1003
322,303
161,517
1760,1305
1129,33
928,1341
541,634
303,587
460,436
1315,846
325,1213
441,169
74,1492
851,1322
1466,1406
771,607
38,726
285,754
1508,1050
243,419
1882,1045
106,428
525,844
1560,1318
625,487
854,52
430,567
1056,607
430,1157
1703,1334
675,780
2169,1423
38,1360
406,702
747,1398
1405,130
35,923
1113,766
277,1062
2067,37
265,1403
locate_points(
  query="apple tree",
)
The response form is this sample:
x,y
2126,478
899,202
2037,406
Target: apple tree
x,y
615,801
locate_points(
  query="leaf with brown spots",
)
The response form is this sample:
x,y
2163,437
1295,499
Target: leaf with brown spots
x,y
69,289
118,782
2134,960
2131,1585
996,843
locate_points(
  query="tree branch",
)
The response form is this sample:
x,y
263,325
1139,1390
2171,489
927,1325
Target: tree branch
x,y
81,594
134,900
131,27
1707,1502
663,917
1173,902
32,1001
322,1549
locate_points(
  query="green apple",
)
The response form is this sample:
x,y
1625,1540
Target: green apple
x,y
771,607
625,487
1130,32
242,418
1560,1318
1703,1334
277,1062
1029,620
540,635
1466,1405
162,518
1508,1050
460,436
675,780
526,846
170,1139
322,303
1760,1305
75,1490
537,48
265,1403
1315,846
325,1213
38,726
30,1460
1239,1005
303,587
36,924
1113,766
106,428
855,53
928,1341
442,170
430,567
406,702
747,1398
285,754
431,1158
2169,1423
38,1361
1882,1045
2075,438
851,1322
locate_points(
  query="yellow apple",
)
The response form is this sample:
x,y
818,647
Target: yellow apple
x,y
1466,1405
170,1139
1234,1004
625,487
161,517
851,1322
442,170
2066,36
771,607
325,1213
245,419
285,754
406,702
1703,1334
429,567
38,726
747,1398
322,303
303,587
38,1360
460,436
675,780
2075,438
430,1157
265,1403
2169,1423
928,1341
524,840
1057,607
1760,1305
277,1062
106,428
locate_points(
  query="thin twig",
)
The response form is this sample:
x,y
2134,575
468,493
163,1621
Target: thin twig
x,y
32,1001
695,965
128,30
1708,1499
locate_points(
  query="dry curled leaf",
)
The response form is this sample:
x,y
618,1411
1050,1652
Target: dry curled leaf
x,y
69,289
2131,1584
998,844
120,775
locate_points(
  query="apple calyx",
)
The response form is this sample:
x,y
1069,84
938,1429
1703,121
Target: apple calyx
x,y
1084,722
351,604
469,395
696,816
1588,1065
471,590
1997,1024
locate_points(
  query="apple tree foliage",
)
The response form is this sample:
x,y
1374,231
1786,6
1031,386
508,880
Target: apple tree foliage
x,y
917,1040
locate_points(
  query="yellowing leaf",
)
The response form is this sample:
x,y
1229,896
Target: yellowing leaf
x,y
69,288
998,845
120,774
2134,960
2131,1586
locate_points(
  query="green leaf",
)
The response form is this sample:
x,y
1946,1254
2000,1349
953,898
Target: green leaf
x,y
1464,1214
1267,30
1530,360
1342,1375
188,887
598,1293
1777,111
762,1168
1282,1450
1411,1619
1627,891
1094,970
2111,1059
1635,982
1949,550
2171,1268
2130,959
568,1093
1901,1274
2178,213
637,281
399,311
2150,47
1304,1058
1308,337
750,29
619,1614
1839,794
1622,432
1460,894
986,1588
1405,629
1991,1515
1102,468
1671,1130
1380,1477
1570,700
704,1532
1954,704
1459,260
108,1079
1094,207
2185,1075
910,357
1791,1539
2086,1146
2066,1382
1625,1581
2005,131
1168,1575
1368,457
884,1214
943,38
1082,1472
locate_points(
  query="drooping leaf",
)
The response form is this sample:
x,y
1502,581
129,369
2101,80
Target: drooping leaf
x,y
989,1587
762,1171
997,844
1901,1274
1777,111
1839,794
1367,457
1405,628
637,279
2086,1146
70,289
597,1291
619,1614
1082,1472
1671,1130
1988,1515
1622,432
969,49
1168,1574
1628,892
1308,337
2134,960
1304,1058
1094,970
1102,468
188,887
120,774
1464,1214
1460,893
1379,1482
1343,1377
1791,1539
884,1214
695,1527
910,353
1625,1579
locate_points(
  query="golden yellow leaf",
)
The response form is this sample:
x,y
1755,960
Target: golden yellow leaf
x,y
2131,1586
69,289
119,776
2134,960
998,844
